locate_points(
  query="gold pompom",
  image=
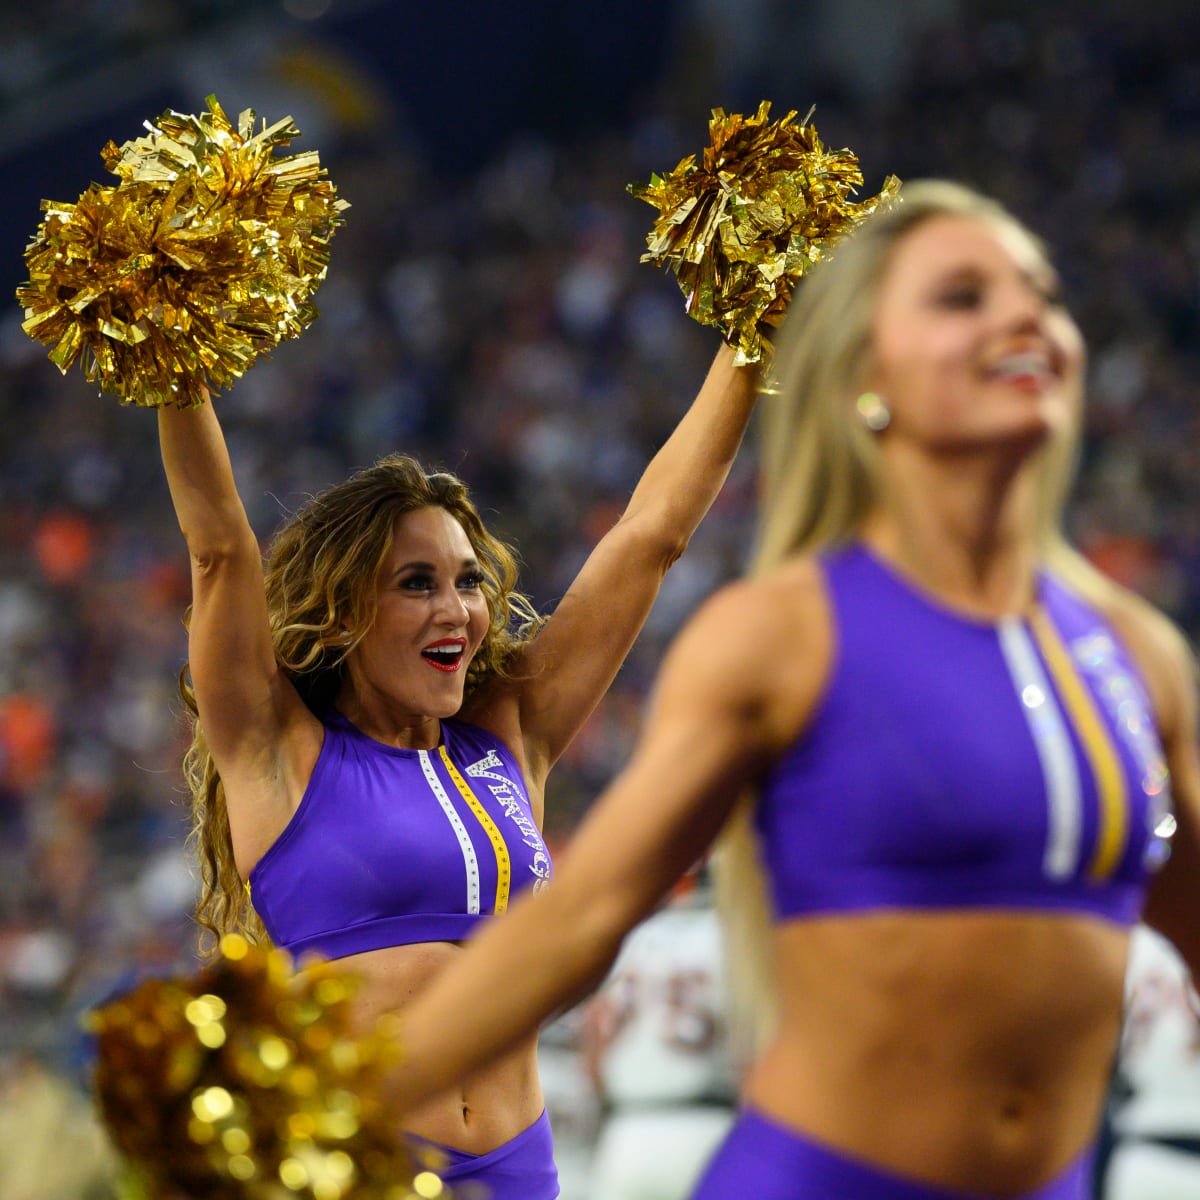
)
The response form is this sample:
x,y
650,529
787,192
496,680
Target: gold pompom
x,y
767,201
203,257
243,1082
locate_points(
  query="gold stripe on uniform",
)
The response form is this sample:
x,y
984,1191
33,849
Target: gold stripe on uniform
x,y
1098,748
503,862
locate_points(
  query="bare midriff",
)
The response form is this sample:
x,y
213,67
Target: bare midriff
x,y
968,1050
491,1106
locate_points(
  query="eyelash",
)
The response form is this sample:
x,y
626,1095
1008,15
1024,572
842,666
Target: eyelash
x,y
961,298
424,583
970,296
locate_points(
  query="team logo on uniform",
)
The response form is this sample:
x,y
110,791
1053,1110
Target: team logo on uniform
x,y
514,805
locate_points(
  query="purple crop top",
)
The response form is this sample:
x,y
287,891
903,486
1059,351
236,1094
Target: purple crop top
x,y
960,763
390,847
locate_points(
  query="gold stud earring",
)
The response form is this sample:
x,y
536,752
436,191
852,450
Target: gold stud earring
x,y
873,411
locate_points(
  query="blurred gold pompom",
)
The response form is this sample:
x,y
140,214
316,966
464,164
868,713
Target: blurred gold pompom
x,y
243,1082
767,201
204,256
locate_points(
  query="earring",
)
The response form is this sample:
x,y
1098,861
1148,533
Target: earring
x,y
873,411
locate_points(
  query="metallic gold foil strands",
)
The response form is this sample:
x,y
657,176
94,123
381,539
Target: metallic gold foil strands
x,y
244,1083
766,202
204,256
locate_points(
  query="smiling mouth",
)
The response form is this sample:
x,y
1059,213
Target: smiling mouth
x,y
1027,369
445,656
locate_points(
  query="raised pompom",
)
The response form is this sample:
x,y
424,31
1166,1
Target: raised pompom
x,y
204,256
738,230
246,1082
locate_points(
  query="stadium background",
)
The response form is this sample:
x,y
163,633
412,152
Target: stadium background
x,y
485,309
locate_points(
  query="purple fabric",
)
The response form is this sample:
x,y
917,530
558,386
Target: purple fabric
x,y
919,782
522,1169
384,849
763,1160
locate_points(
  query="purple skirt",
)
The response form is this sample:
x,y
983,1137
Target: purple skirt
x,y
521,1169
763,1160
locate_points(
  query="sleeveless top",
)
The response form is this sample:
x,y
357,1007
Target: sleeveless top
x,y
962,763
390,847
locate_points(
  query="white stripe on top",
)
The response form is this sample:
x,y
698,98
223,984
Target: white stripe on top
x,y
470,861
1057,755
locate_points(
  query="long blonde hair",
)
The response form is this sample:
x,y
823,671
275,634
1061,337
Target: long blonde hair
x,y
321,573
820,476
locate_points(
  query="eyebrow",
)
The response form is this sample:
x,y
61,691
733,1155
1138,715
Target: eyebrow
x,y
1040,274
467,564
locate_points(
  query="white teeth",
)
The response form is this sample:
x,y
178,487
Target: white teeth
x,y
1023,364
443,651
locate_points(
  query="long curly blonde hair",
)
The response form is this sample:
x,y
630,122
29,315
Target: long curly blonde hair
x,y
321,573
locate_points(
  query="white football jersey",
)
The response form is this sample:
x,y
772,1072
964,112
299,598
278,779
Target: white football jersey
x,y
659,1022
1160,1046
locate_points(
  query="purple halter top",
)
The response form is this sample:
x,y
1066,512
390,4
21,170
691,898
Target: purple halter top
x,y
962,763
390,847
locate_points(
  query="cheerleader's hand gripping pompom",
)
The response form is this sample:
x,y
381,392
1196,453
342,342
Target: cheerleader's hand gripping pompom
x,y
766,202
204,256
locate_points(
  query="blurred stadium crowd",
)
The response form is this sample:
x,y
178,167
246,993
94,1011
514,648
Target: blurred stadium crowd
x,y
498,323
